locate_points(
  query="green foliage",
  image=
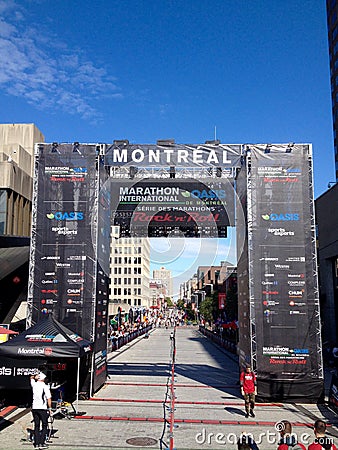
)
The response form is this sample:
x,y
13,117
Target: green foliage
x,y
190,312
231,304
169,301
207,308
180,304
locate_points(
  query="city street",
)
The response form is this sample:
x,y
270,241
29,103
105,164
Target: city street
x,y
129,411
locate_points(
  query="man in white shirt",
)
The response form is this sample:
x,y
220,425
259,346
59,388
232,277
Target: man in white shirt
x,y
42,404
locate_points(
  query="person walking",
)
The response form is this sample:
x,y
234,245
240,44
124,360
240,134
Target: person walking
x,y
321,442
248,390
288,440
42,402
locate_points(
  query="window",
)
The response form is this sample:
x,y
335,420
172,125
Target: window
x,y
335,48
3,211
334,33
334,18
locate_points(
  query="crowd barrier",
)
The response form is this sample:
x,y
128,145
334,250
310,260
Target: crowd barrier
x,y
119,342
224,343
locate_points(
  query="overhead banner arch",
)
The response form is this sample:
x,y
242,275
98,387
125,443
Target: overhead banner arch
x,y
265,191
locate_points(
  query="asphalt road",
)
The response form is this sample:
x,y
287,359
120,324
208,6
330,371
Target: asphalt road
x,y
133,409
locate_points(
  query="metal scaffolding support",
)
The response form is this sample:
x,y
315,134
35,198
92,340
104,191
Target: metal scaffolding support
x,y
250,221
198,173
30,303
315,270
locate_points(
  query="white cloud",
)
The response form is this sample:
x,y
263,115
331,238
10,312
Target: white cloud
x,y
46,72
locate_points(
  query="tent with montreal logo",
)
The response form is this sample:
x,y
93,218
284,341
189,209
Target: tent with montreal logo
x,y
47,346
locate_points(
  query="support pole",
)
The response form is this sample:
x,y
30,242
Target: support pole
x,y
77,385
172,391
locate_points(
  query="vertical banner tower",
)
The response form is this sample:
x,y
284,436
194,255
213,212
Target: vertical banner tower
x,y
281,308
67,277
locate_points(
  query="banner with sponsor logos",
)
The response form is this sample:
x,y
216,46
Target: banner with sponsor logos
x,y
284,313
15,373
333,393
102,279
70,244
244,344
144,207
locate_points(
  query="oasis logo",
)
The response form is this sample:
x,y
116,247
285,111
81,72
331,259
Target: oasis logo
x,y
5,371
65,215
274,217
205,194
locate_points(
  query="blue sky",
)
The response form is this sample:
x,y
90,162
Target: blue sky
x,y
90,71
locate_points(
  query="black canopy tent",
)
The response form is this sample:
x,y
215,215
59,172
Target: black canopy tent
x,y
47,340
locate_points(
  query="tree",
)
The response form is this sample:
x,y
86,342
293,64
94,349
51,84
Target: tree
x,y
206,309
180,304
231,304
190,312
169,301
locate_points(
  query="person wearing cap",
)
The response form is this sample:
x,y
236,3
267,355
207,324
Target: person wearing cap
x,y
41,406
248,390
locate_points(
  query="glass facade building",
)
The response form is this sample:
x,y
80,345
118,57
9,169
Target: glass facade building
x,y
332,25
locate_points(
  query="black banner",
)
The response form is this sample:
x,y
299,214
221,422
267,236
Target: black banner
x,y
102,280
144,207
283,281
333,393
63,269
16,372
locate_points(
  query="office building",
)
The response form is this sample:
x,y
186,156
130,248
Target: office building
x,y
164,275
16,186
16,177
157,293
332,23
129,273
327,230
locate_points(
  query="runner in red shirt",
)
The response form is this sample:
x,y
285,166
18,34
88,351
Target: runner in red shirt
x,y
248,390
288,439
321,442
